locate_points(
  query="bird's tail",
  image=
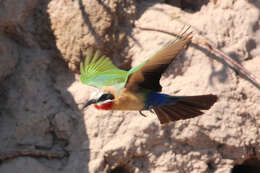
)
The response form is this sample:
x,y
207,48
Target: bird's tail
x,y
184,107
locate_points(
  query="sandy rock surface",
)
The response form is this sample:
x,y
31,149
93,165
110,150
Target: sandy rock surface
x,y
42,126
80,24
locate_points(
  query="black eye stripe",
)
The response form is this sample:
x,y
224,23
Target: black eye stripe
x,y
106,97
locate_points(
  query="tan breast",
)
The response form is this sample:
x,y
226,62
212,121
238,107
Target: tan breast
x,y
126,100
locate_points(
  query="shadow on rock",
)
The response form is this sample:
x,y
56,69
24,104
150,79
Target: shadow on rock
x,y
41,125
256,3
113,40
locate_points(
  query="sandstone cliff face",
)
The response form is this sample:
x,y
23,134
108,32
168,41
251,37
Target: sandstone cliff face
x,y
42,128
83,23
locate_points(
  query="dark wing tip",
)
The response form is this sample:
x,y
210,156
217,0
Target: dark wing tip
x,y
185,108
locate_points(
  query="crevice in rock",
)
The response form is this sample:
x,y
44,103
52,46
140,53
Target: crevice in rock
x,y
243,95
250,45
121,168
211,167
188,5
251,165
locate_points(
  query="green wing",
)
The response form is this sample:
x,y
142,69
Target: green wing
x,y
134,69
99,71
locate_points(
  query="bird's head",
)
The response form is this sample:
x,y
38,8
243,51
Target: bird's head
x,y
101,100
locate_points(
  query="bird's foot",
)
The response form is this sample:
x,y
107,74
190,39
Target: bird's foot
x,y
142,114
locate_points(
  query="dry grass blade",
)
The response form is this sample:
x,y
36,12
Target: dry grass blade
x,y
31,153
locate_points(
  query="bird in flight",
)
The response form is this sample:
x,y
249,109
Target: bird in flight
x,y
139,88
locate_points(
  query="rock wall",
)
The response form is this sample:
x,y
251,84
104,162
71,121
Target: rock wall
x,y
43,129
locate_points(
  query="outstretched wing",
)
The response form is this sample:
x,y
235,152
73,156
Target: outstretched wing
x,y
147,75
99,71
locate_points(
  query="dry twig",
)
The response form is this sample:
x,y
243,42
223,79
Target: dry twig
x,y
31,153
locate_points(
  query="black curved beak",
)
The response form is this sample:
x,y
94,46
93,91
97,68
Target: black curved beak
x,y
90,102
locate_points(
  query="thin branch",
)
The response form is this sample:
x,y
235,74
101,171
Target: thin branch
x,y
31,153
159,30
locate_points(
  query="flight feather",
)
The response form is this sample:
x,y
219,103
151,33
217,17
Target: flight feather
x,y
99,71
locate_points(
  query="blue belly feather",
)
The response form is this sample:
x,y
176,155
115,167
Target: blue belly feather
x,y
156,99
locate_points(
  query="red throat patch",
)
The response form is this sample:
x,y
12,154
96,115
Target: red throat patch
x,y
104,106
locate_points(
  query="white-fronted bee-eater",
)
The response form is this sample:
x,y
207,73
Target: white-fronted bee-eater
x,y
139,89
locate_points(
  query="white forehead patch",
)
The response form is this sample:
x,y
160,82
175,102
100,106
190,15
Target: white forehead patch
x,y
96,94
103,102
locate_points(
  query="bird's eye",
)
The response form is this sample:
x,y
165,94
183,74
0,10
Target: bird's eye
x,y
106,97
